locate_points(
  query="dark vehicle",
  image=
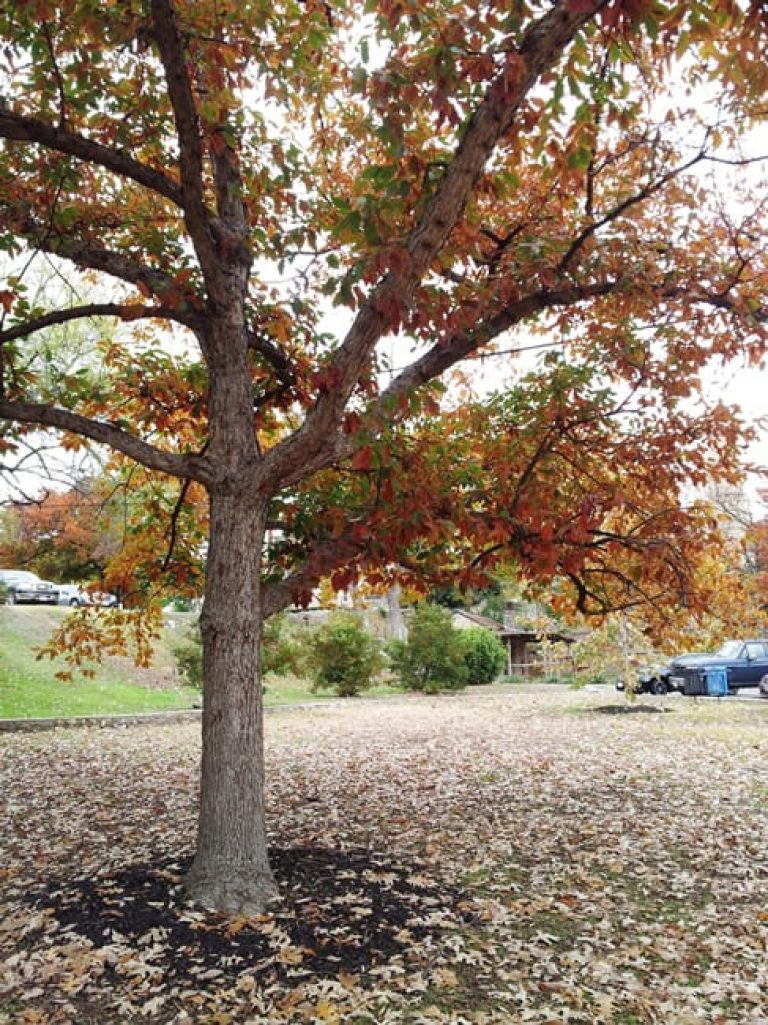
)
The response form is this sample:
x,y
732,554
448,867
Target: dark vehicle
x,y
745,663
22,587
656,680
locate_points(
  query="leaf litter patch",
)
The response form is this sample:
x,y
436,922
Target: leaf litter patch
x,y
340,912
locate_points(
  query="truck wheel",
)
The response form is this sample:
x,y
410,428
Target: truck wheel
x,y
659,687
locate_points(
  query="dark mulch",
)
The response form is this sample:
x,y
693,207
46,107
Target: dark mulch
x,y
340,911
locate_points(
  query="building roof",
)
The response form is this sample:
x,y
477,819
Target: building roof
x,y
477,620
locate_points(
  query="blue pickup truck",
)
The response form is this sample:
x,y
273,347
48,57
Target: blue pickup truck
x,y
745,663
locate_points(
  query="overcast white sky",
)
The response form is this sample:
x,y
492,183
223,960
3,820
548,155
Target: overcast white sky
x,y
748,388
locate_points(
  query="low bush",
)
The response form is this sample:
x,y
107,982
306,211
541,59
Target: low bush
x,y
286,647
188,655
284,652
484,654
345,657
432,659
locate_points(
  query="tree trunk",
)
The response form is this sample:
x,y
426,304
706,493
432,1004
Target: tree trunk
x,y
396,621
231,870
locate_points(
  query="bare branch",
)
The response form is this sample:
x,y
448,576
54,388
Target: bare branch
x,y
57,75
173,533
641,195
601,605
648,190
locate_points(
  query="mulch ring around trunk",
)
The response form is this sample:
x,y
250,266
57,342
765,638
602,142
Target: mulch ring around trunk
x,y
341,913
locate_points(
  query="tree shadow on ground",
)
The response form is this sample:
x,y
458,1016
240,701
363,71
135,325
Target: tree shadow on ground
x,y
628,710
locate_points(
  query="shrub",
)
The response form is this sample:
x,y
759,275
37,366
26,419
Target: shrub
x,y
345,657
432,659
188,655
285,647
282,652
484,654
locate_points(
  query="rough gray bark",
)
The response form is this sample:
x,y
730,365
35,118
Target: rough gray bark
x,y
231,870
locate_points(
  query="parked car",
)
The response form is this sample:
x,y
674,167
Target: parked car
x,y
655,679
24,588
745,662
75,595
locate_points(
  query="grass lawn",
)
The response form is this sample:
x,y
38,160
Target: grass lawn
x,y
29,688
537,855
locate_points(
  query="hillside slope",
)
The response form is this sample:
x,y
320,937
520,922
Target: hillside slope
x,y
29,688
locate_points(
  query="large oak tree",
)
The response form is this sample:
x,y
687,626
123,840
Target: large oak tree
x,y
450,178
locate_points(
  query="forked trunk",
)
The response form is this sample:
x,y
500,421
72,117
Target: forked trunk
x,y
231,870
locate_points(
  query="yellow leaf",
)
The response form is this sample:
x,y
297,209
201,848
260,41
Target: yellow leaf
x,y
236,925
446,978
327,1011
291,955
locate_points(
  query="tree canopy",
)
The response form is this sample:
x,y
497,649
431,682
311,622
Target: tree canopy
x,y
450,180
447,178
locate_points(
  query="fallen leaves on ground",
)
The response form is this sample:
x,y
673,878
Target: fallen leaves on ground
x,y
513,858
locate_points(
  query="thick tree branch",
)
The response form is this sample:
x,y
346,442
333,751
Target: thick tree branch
x,y
320,562
115,264
174,59
271,352
18,128
125,312
86,255
441,357
755,315
540,49
188,467
444,355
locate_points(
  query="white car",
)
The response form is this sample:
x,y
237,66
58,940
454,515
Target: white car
x,y
24,588
75,595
